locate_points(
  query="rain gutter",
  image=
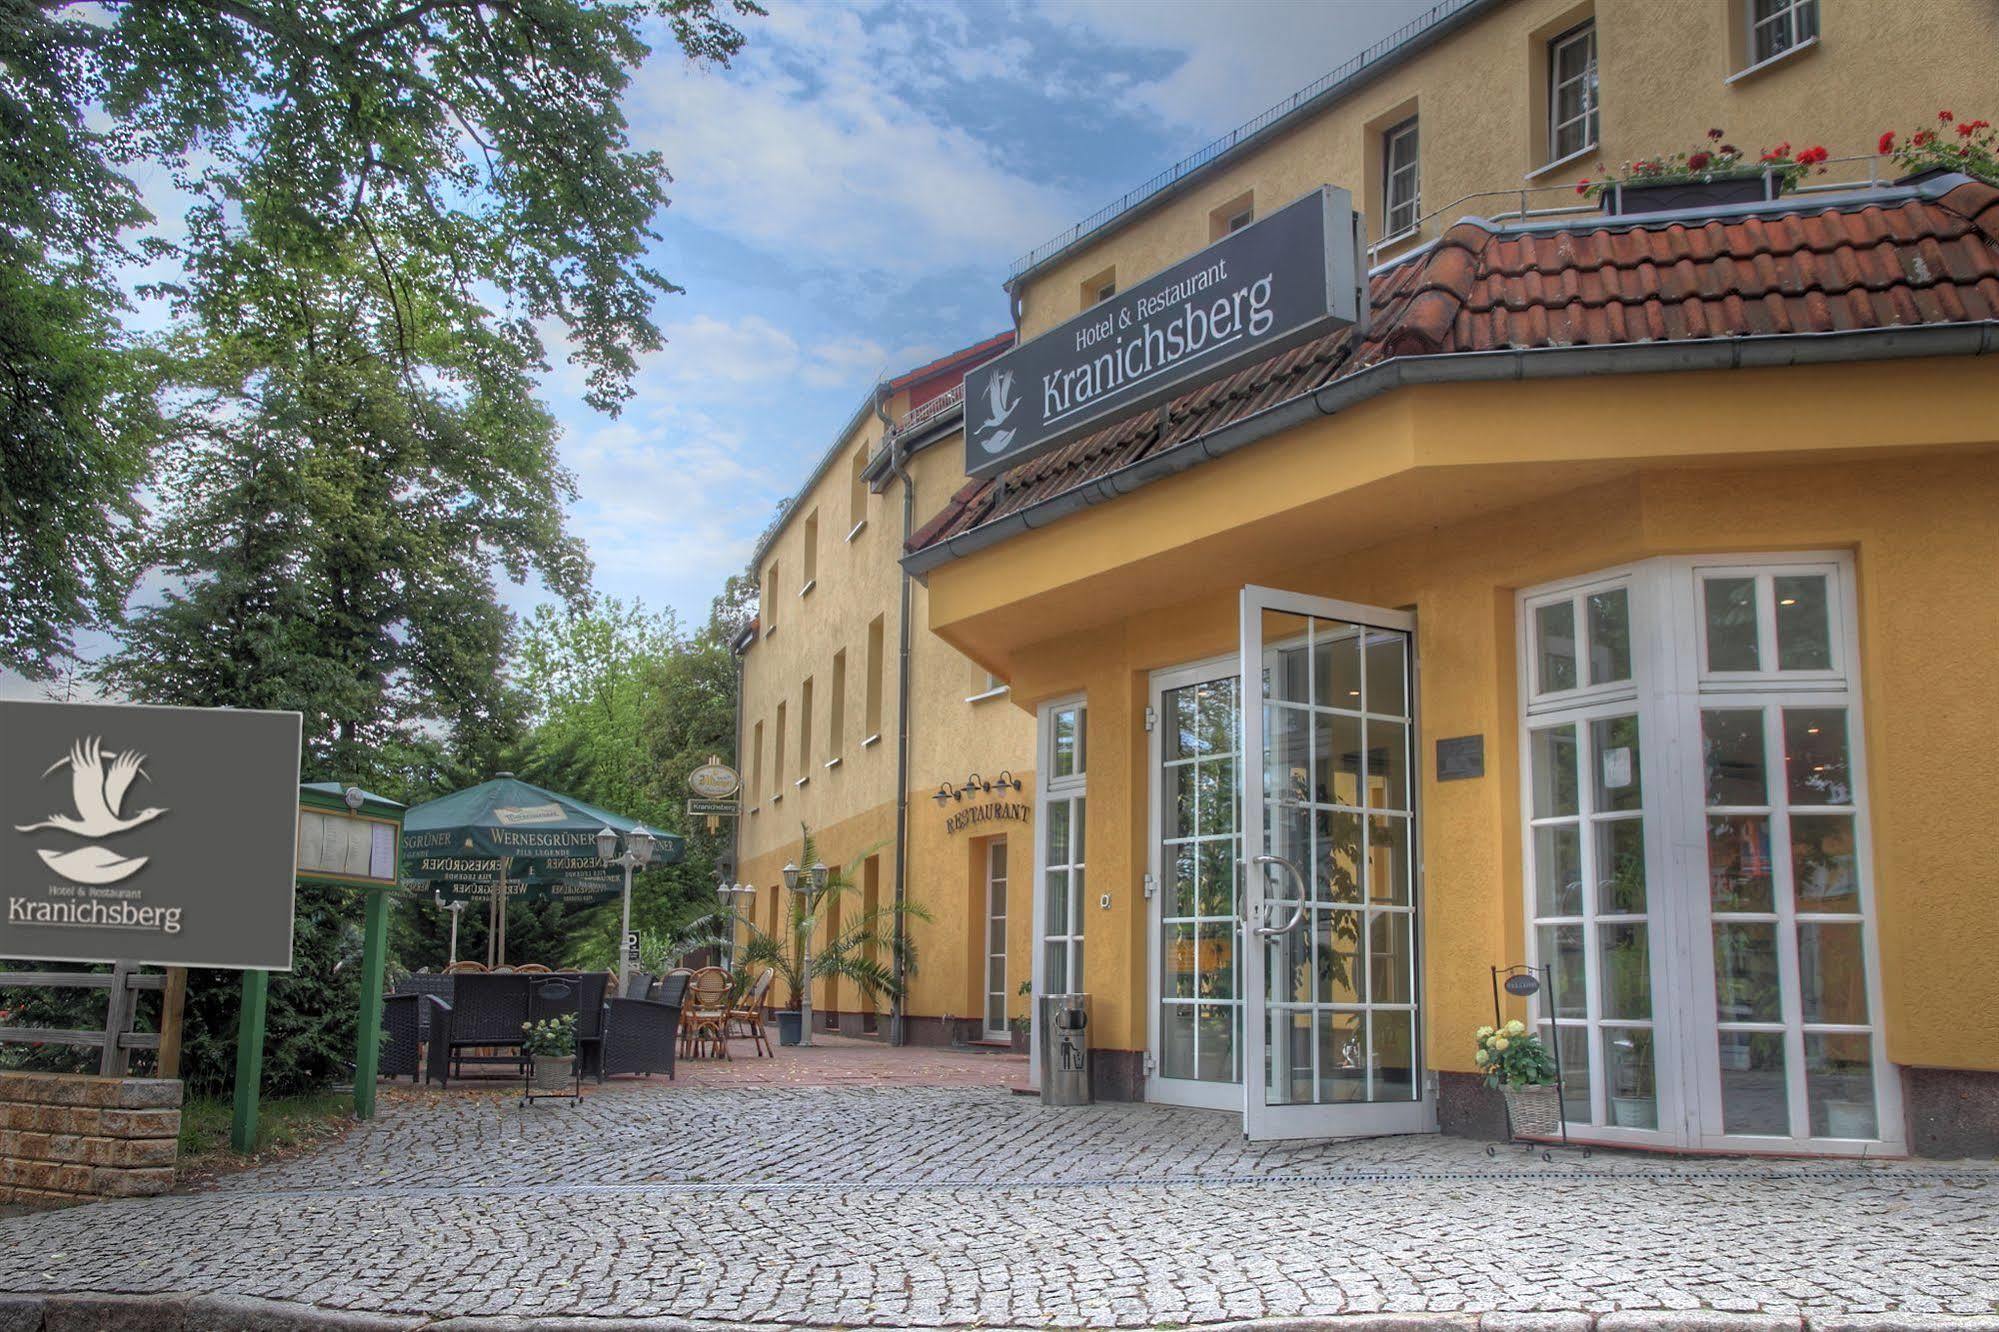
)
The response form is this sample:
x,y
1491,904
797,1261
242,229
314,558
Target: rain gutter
x,y
1628,358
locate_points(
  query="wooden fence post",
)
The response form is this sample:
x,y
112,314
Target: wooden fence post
x,y
173,1003
115,1058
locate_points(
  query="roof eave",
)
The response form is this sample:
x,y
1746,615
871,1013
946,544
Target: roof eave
x,y
1977,338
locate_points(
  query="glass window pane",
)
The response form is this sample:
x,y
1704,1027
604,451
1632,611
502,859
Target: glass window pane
x,y
1561,950
1804,629
1755,1095
1824,874
1183,731
1336,759
1555,646
1554,762
1067,743
1558,870
1732,748
1335,666
1055,971
1388,867
1815,756
1747,987
1738,863
1387,673
1176,1040
1076,900
1388,959
1216,1026
1832,973
1183,883
1217,869
1216,960
1625,958
1388,766
1057,913
1342,1057
1620,867
1287,1065
1334,958
1287,759
1627,1059
1615,742
1839,1085
1178,962
1058,833
1609,615
1078,825
1572,1051
1394,1056
1730,605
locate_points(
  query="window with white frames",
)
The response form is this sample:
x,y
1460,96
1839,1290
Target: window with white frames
x,y
1059,913
1696,855
1775,26
1401,196
1572,92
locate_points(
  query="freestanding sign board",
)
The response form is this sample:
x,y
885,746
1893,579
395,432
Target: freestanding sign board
x,y
160,835
1276,283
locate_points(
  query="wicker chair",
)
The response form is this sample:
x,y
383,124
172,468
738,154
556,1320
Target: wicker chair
x,y
749,1019
401,1018
590,990
461,968
533,969
640,1035
704,1021
639,986
485,1011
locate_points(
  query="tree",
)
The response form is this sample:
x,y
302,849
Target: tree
x,y
470,155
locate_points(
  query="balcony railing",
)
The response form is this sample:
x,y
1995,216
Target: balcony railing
x,y
1534,202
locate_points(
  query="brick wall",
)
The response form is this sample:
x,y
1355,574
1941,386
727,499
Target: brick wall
x,y
69,1138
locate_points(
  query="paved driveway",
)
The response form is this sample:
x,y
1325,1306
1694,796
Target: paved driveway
x,y
956,1205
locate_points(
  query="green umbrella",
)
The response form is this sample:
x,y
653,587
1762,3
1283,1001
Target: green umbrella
x,y
506,838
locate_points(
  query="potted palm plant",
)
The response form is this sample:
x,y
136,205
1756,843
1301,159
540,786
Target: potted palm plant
x,y
864,949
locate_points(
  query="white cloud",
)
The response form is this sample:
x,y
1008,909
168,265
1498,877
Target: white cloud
x,y
1234,58
813,146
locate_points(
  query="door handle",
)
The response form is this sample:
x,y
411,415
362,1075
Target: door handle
x,y
1298,907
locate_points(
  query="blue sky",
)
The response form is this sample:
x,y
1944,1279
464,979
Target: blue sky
x,y
848,197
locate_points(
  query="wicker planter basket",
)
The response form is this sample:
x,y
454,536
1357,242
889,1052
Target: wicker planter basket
x,y
1533,1111
551,1073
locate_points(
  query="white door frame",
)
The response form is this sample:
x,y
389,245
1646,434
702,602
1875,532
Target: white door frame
x,y
1261,1120
995,848
1176,1091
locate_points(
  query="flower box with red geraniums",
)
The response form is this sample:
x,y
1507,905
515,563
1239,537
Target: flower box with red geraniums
x,y
1970,146
1720,173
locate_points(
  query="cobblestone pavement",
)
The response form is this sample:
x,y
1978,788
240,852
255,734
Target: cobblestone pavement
x,y
931,1206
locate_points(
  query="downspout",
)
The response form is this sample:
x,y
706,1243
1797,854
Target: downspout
x,y
899,465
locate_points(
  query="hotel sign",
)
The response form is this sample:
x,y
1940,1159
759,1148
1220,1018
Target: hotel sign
x,y
1293,276
159,835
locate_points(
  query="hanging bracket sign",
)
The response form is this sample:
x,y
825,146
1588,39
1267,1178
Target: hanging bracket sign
x,y
1276,283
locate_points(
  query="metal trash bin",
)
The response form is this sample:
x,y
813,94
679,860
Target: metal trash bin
x,y
1065,1049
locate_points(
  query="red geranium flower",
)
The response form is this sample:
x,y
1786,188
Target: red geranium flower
x,y
1922,137
1945,116
1967,129
1714,134
1698,162
1887,143
1582,186
1813,156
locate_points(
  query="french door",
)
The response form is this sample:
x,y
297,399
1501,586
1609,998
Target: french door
x,y
994,1022
1331,1019
1283,932
1698,872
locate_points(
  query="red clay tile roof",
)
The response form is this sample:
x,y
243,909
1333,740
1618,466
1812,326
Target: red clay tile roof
x,y
1845,266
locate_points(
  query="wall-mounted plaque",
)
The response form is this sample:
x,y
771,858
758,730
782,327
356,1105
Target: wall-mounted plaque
x,y
1459,757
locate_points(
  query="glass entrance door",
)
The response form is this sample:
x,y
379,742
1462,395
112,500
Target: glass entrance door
x,y
1331,1032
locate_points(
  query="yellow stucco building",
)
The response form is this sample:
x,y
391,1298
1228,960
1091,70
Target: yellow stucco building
x,y
1615,589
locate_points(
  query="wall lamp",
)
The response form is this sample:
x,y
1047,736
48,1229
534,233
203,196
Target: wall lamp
x,y
976,785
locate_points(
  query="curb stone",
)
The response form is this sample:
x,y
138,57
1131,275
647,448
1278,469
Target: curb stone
x,y
116,1313
20,1313
1697,1320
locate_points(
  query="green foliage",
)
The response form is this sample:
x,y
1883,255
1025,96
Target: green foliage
x,y
1512,1056
863,951
549,1038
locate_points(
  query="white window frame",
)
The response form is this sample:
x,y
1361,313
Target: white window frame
x,y
1584,32
1669,690
1072,788
1784,22
998,868
1393,207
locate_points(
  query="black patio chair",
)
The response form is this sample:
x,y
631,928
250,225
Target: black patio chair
x,y
485,1011
425,983
590,987
402,1016
641,1035
639,986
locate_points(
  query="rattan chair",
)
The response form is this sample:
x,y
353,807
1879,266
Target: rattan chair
x,y
749,1019
639,986
704,1021
640,1035
532,969
462,968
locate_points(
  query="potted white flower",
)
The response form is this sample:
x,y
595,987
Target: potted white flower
x,y
1514,1060
550,1048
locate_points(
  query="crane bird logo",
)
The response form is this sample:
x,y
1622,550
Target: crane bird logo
x,y
1000,403
98,782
